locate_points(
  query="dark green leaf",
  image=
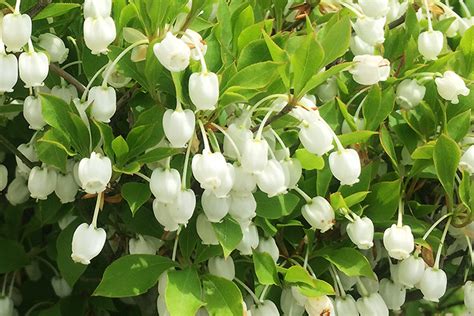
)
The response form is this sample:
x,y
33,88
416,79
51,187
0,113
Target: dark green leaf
x,y
446,156
383,200
13,256
136,194
275,207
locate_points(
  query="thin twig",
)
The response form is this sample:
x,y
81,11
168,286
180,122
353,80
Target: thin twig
x,y
32,12
19,154
68,77
397,22
275,117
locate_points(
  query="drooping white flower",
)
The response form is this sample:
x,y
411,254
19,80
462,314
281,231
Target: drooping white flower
x,y
185,205
3,177
345,306
467,160
370,30
242,206
372,305
399,241
255,155
204,90
165,184
410,271
249,240
205,231
17,191
42,182
370,69
194,39
345,166
163,211
215,208
361,232
87,243
293,170
61,287
16,31
54,46
33,272
319,214
65,92
374,8
409,93
141,245
433,284
393,294
32,111
450,86
95,173
396,10
66,188
103,103
319,305
33,67
268,245
30,153
8,69
289,305
430,44
95,8
315,135
223,267
213,172
244,181
99,33
359,47
267,308
173,53
178,126
240,135
328,90
272,179
469,295
6,306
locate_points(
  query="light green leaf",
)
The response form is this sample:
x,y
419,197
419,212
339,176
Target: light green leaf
x,y
308,285
382,201
55,9
357,137
348,260
387,144
183,292
446,156
228,233
308,160
459,125
265,268
256,76
378,106
120,148
222,297
341,30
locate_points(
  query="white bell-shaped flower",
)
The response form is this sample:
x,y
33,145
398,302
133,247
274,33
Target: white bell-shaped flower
x,y
316,136
178,126
371,285
61,287
273,179
372,305
453,28
239,135
87,243
430,44
410,271
266,308
255,155
466,23
185,204
370,69
3,177
30,153
293,169
249,240
95,173
242,206
319,305
451,86
469,295
165,184
194,39
467,160
299,297
289,305
161,306
374,8
399,241
6,306
32,111
244,181
269,246
33,67
393,294
359,47
17,191
16,31
361,232
345,166
42,182
409,93
223,267
65,92
95,8
205,231
173,53
370,30
328,90
204,90
66,188
9,71
163,211
99,33
396,10
319,214
215,208
54,46
345,306
433,284
103,103
141,246
213,172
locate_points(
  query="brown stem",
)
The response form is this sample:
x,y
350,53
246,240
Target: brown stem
x,y
32,12
68,77
19,154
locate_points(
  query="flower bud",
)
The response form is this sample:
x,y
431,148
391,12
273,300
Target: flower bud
x,y
54,46
33,68
409,94
267,308
17,192
374,8
244,181
99,33
165,184
361,232
215,208
213,172
393,294
345,166
221,267
205,231
87,243
249,240
469,295
396,10
95,173
16,31
163,211
328,90
66,92
173,53
242,206
430,44
240,135
467,160
141,246
42,182
269,246
178,126
450,86
9,71
370,30
95,8
273,180
33,272
30,153
319,305
255,155
3,177
346,306
370,69
61,287
104,103
433,284
6,306
32,111
191,38
204,90
359,47
398,241
319,214
410,271
289,305
372,305
316,136
293,169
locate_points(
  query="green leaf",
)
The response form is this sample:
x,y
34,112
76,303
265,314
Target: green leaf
x,y
222,297
277,206
377,107
183,292
466,46
321,77
13,256
311,286
158,154
120,148
465,190
132,275
333,49
423,152
136,194
256,76
446,156
348,260
357,137
308,160
265,268
387,144
228,233
279,56
459,125
382,201
52,154
356,198
55,9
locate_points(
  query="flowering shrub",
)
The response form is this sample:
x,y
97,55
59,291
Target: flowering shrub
x,y
236,157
